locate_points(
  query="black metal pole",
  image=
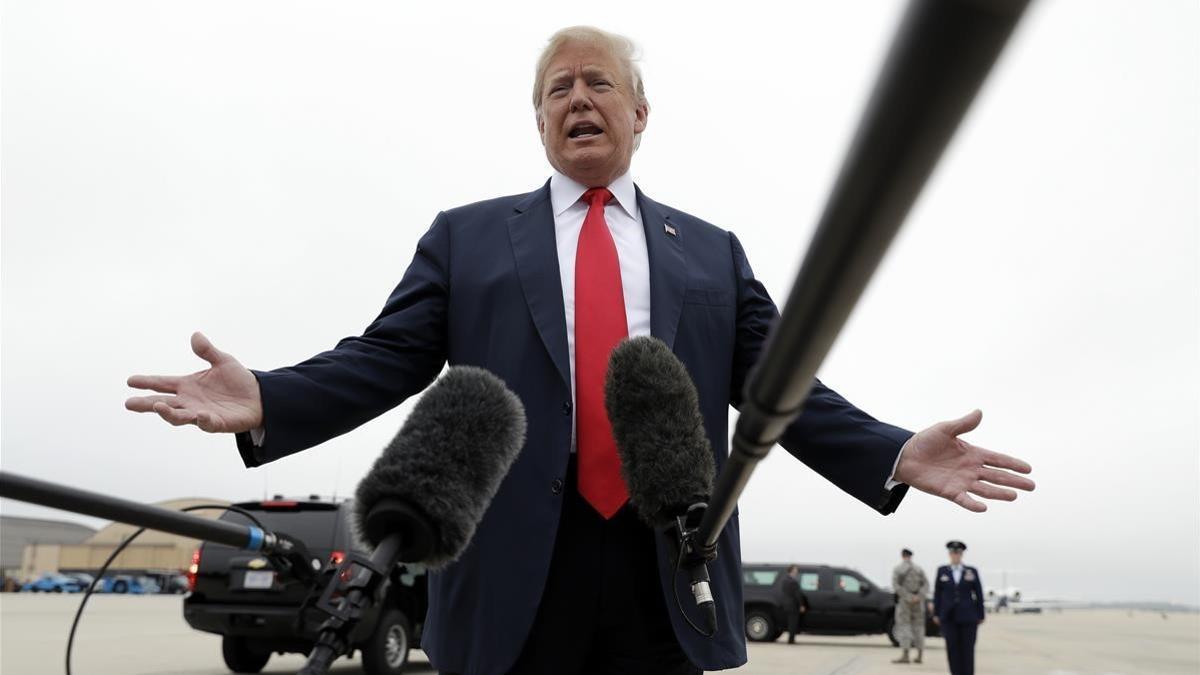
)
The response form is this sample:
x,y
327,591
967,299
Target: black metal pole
x,y
331,639
940,57
67,498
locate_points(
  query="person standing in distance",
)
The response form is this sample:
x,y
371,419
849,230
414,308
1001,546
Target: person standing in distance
x,y
794,602
908,626
958,607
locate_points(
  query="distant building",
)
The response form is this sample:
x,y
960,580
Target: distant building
x,y
18,533
152,552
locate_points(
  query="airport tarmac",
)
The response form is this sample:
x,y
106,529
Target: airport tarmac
x,y
136,635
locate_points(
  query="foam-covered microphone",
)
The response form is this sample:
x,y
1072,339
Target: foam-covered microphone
x,y
444,466
666,457
425,495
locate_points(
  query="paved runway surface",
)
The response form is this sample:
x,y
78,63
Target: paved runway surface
x,y
130,635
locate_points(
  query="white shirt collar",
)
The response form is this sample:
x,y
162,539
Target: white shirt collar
x,y
565,192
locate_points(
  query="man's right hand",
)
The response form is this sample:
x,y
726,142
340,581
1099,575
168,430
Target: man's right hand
x,y
222,398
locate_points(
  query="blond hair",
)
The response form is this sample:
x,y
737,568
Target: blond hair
x,y
624,49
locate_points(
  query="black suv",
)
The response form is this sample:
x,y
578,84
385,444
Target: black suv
x,y
840,602
236,594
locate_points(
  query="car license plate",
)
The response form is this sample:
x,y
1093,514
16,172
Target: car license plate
x,y
259,579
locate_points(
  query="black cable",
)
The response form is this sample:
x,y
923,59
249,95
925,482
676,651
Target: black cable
x,y
121,547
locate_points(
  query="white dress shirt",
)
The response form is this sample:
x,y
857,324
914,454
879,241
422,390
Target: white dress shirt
x,y
956,571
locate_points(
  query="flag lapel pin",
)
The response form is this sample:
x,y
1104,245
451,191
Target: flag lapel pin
x,y
670,230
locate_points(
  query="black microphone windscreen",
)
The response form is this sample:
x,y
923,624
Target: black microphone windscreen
x,y
666,457
448,459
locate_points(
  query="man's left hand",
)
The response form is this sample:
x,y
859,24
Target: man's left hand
x,y
937,461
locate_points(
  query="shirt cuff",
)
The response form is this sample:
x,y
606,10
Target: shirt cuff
x,y
259,434
891,482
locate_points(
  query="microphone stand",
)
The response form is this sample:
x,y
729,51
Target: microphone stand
x,y
939,59
360,581
289,554
355,585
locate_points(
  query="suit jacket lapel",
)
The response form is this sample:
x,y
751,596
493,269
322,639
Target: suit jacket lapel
x,y
668,268
531,231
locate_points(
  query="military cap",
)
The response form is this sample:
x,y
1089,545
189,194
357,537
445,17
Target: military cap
x,y
905,551
956,545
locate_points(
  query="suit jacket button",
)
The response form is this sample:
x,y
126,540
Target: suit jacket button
x,y
566,408
556,486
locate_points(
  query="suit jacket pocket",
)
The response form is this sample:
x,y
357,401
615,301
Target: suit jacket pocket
x,y
708,296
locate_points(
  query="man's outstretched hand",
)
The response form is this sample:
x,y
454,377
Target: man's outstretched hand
x,y
937,461
222,398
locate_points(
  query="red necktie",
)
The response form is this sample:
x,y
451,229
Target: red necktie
x,y
599,325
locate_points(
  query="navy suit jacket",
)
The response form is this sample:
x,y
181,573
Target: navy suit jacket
x,y
961,602
483,289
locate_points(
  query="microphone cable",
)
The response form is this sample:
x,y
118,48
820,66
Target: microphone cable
x,y
678,603
121,547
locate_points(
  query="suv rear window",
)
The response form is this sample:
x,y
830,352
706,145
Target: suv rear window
x,y
759,577
315,527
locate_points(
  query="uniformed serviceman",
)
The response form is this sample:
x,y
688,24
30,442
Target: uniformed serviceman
x,y
958,609
908,625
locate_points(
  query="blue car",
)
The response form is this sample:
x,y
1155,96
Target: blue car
x,y
128,584
53,583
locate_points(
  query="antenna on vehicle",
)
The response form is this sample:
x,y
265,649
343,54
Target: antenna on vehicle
x,y
337,477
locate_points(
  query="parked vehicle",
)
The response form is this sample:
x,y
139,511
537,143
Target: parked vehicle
x,y
83,578
124,583
53,583
176,584
239,596
840,602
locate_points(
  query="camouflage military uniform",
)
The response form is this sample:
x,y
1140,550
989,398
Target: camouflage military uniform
x,y
910,582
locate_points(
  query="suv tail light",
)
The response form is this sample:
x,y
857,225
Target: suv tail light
x,y
193,569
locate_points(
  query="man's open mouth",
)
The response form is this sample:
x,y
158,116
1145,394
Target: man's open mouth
x,y
584,130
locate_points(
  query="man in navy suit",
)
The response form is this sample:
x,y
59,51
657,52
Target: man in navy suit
x,y
561,576
958,609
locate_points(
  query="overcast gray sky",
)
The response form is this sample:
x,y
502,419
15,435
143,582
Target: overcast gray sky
x,y
262,171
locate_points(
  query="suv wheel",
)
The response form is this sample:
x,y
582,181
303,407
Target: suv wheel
x,y
240,658
760,627
386,651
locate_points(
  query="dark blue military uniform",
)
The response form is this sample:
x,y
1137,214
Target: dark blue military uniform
x,y
959,609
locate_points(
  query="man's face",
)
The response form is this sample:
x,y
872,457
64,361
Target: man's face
x,y
589,115
955,557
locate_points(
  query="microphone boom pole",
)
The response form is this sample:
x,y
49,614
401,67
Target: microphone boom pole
x,y
66,498
940,57
290,553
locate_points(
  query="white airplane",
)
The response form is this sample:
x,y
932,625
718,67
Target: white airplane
x,y
1013,599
